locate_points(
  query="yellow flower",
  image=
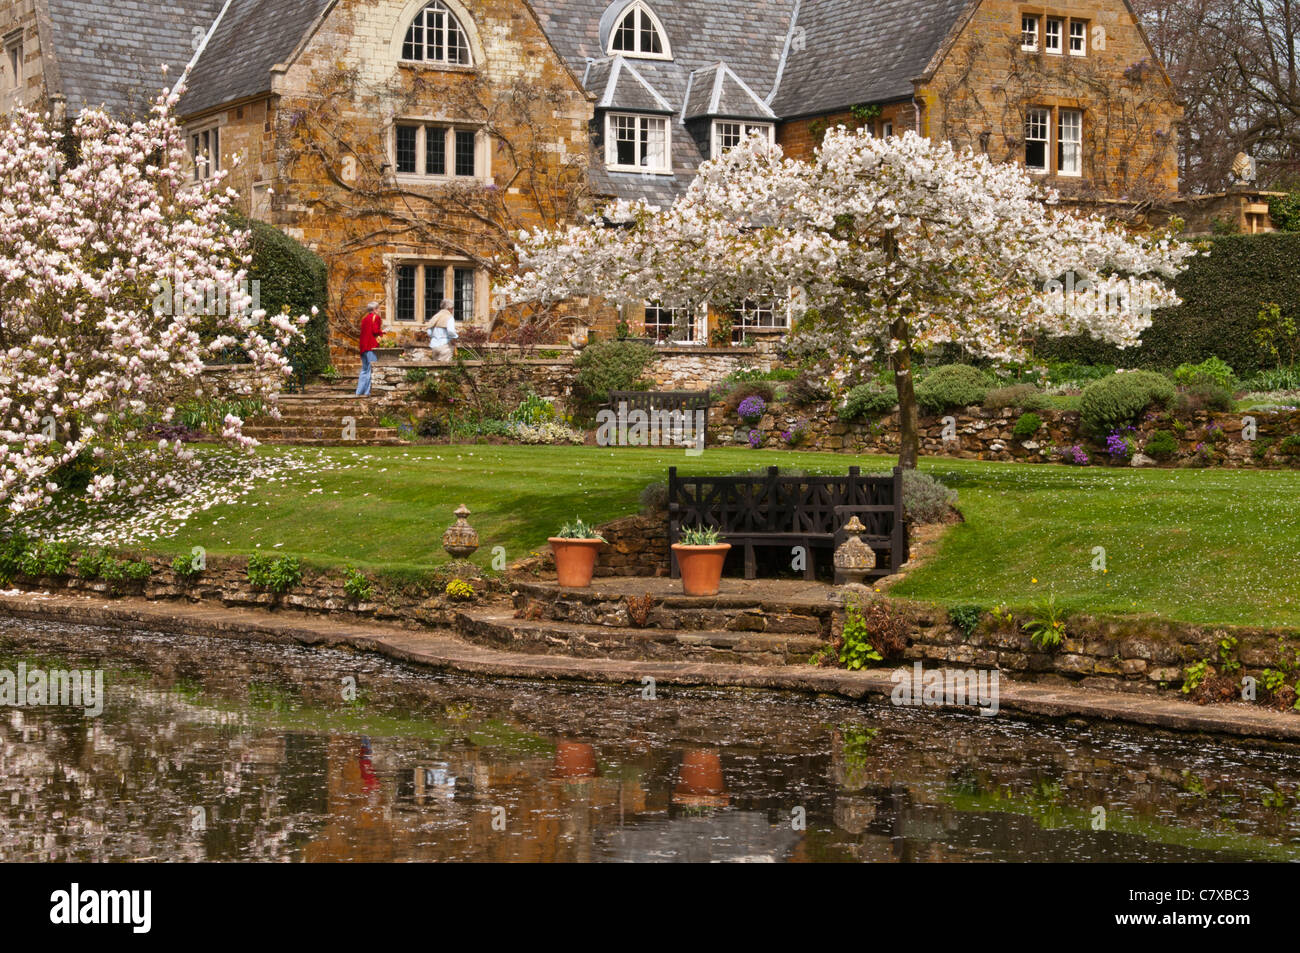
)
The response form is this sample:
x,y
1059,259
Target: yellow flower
x,y
1033,580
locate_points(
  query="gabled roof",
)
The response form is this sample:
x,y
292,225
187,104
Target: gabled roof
x,y
252,37
112,54
717,91
850,52
617,84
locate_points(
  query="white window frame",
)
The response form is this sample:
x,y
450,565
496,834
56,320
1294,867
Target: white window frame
x,y
424,310
695,323
1039,117
742,324
639,9
1059,36
208,164
642,123
741,131
1074,168
448,128
886,128
451,29
1081,36
1029,28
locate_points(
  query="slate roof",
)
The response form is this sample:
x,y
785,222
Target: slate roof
x,y
718,91
253,36
111,54
861,51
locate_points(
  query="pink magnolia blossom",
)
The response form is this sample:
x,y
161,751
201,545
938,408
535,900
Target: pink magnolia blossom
x,y
87,351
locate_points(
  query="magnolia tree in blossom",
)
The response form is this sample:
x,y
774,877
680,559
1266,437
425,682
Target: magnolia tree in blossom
x,y
896,243
99,231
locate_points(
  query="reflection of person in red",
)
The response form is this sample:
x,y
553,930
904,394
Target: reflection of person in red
x,y
369,780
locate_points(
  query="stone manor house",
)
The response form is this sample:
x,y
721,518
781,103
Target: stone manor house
x,y
407,141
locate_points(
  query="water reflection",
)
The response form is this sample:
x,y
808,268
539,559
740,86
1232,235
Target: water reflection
x,y
218,750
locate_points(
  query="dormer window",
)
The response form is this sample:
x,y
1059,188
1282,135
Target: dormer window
x,y
436,36
639,33
727,135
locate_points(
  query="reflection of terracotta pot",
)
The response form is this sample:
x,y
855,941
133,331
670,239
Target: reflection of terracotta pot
x,y
701,775
575,561
574,760
701,567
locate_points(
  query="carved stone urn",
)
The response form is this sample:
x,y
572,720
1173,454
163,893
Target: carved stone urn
x,y
461,539
854,558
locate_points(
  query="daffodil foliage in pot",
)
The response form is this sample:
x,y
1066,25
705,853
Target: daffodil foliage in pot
x,y
700,557
575,548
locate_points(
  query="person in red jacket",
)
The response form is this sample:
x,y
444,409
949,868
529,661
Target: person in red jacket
x,y
372,326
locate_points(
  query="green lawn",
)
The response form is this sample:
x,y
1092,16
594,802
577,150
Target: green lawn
x,y
1196,545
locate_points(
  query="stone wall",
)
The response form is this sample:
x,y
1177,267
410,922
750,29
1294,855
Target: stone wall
x,y
981,434
705,368
1139,654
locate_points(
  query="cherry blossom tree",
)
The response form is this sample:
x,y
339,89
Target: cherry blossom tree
x,y
898,243
119,275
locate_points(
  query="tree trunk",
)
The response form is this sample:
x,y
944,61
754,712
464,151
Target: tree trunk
x,y
909,429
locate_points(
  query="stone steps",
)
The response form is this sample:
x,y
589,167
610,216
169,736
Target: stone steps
x,y
499,628
315,417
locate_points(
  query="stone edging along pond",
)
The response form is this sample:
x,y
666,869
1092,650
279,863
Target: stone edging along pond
x,y
1104,665
445,652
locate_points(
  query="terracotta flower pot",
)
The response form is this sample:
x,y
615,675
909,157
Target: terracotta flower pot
x,y
701,567
700,782
574,760
575,561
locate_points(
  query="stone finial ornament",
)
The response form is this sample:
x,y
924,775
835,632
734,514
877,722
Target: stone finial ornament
x,y
461,539
1244,171
854,558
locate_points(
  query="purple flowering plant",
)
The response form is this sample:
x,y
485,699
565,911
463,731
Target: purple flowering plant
x,y
755,439
1075,455
751,409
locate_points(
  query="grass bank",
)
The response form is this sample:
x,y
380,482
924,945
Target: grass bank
x,y
1205,546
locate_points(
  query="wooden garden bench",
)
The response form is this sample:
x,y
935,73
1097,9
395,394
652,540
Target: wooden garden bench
x,y
773,510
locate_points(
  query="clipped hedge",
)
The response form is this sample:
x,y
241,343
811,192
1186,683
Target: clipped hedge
x,y
868,401
611,365
290,274
1222,295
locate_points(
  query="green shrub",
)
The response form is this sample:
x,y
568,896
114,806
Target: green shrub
x,y
654,499
357,586
1027,426
1285,212
294,277
1119,400
868,401
277,574
1210,372
1161,445
1020,396
13,552
952,386
46,559
1290,447
1222,293
120,572
967,618
91,564
872,633
925,499
1201,397
186,567
610,365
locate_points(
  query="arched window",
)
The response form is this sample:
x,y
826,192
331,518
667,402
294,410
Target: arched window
x,y
436,36
639,33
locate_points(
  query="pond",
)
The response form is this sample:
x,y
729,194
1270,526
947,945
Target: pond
x,y
224,750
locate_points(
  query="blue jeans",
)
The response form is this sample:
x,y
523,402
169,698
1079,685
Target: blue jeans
x,y
367,364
